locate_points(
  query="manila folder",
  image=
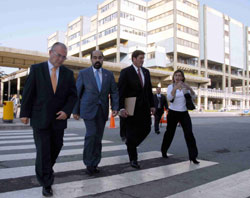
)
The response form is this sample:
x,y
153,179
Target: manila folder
x,y
130,105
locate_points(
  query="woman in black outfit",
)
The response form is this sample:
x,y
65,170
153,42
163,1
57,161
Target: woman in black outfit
x,y
178,113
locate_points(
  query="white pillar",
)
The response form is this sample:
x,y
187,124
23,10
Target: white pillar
x,y
9,87
1,94
205,102
18,86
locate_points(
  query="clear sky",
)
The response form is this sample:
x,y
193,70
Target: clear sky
x,y
26,24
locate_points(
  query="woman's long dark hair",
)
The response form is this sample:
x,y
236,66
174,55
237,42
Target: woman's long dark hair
x,y
182,73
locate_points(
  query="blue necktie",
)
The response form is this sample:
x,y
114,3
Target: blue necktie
x,y
98,81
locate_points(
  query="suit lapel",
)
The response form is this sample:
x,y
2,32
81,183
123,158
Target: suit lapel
x,y
104,78
92,77
60,79
47,77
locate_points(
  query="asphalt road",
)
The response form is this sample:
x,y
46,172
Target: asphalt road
x,y
224,150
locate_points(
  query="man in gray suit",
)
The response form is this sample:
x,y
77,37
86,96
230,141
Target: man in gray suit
x,y
94,85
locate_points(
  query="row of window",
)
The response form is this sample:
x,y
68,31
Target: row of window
x,y
88,40
73,36
189,4
108,31
160,16
161,29
187,30
74,46
187,15
107,19
133,31
75,25
187,43
108,6
158,4
134,5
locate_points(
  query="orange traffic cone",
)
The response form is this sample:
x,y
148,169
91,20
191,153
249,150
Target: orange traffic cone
x,y
112,122
162,118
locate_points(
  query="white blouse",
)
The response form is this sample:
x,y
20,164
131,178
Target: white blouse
x,y
179,103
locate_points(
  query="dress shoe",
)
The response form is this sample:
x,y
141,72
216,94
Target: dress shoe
x,y
90,170
123,139
194,161
164,155
157,132
96,169
135,164
47,191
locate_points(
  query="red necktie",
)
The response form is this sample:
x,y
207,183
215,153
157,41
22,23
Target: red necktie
x,y
139,74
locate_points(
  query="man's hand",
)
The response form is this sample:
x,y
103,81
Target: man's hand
x,y
114,113
124,113
152,109
61,115
76,116
24,120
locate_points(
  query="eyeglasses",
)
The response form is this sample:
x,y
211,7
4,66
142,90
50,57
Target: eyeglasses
x,y
60,56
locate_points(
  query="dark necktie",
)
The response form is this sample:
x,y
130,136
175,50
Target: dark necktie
x,y
139,74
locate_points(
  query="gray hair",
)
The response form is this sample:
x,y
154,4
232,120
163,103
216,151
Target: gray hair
x,y
58,44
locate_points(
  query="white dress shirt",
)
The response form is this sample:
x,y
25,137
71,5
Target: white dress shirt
x,y
179,103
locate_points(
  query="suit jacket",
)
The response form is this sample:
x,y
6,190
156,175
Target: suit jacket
x,y
164,102
40,103
89,96
130,86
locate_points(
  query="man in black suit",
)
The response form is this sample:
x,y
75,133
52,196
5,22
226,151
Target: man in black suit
x,y
135,81
160,102
48,98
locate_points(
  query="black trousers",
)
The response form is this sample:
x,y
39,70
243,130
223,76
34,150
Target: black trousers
x,y
122,127
158,115
183,117
48,146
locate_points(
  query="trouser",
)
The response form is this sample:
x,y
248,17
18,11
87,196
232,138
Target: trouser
x,y
158,115
48,146
93,139
183,117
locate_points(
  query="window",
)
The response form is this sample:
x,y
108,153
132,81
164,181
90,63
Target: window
x,y
158,4
161,29
187,43
108,31
189,4
108,6
187,15
73,36
107,19
151,55
160,16
187,30
134,5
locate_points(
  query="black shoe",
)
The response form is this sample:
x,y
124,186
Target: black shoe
x,y
135,164
123,139
47,191
157,132
96,170
164,155
194,161
90,170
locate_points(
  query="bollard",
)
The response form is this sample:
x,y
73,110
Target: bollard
x,y
8,111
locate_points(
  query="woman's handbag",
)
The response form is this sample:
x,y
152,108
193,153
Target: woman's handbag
x,y
189,101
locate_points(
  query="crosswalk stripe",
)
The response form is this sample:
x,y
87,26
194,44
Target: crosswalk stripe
x,y
31,140
114,182
29,136
8,173
13,131
20,133
22,156
233,186
21,147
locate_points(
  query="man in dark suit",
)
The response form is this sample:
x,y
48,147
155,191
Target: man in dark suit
x,y
48,98
94,85
135,81
160,102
